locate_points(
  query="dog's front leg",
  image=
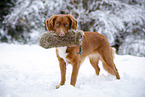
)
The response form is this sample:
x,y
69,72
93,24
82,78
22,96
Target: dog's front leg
x,y
76,66
62,65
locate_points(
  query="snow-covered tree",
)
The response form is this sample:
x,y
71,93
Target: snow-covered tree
x,y
121,21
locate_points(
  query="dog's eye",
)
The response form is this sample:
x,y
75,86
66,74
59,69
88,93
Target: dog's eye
x,y
66,24
57,24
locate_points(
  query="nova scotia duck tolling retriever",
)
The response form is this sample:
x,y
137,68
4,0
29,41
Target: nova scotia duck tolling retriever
x,y
94,45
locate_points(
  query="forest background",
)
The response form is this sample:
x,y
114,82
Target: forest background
x,y
121,21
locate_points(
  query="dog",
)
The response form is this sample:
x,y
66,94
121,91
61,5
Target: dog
x,y
94,45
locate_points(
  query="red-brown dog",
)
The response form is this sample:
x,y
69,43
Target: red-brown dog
x,y
95,46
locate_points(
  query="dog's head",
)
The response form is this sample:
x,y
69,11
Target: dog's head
x,y
61,23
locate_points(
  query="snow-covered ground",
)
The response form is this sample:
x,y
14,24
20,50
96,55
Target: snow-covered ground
x,y
31,71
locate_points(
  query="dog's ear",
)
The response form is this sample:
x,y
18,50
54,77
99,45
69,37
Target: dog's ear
x,y
50,23
74,22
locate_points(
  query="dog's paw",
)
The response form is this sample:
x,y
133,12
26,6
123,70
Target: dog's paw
x,y
57,86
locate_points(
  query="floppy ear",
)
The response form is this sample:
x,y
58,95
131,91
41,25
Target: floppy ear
x,y
74,22
50,22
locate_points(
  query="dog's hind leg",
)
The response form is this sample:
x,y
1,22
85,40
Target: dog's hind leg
x,y
94,60
108,64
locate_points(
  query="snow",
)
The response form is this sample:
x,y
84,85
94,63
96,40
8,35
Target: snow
x,y
31,71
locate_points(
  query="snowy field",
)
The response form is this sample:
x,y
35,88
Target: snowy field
x,y
31,71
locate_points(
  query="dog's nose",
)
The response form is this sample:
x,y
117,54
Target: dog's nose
x,y
62,33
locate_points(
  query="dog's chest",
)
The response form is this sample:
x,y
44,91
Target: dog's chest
x,y
62,53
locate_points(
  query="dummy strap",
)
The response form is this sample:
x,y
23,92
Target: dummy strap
x,y
80,51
